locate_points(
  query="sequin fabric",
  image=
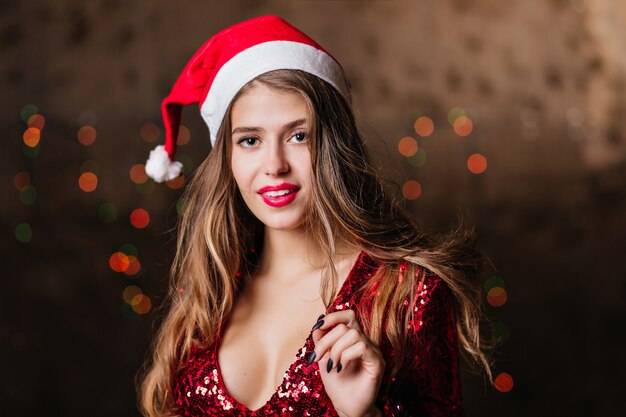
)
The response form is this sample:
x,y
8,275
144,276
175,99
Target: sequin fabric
x,y
428,385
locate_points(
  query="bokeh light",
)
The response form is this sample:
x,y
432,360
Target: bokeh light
x,y
494,281
503,382
150,132
128,312
187,163
31,137
107,212
138,174
21,180
31,152
139,218
412,190
463,126
129,249
146,188
500,332
88,181
119,262
141,304
424,126
181,204
23,232
28,195
454,114
176,183
130,292
407,146
419,159
37,121
497,297
27,111
86,135
133,266
90,166
477,163
184,134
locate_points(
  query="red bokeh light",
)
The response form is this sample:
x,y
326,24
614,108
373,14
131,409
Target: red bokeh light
x,y
88,181
119,262
477,163
504,382
140,218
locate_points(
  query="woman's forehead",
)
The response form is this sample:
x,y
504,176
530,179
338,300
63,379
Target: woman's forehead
x,y
265,108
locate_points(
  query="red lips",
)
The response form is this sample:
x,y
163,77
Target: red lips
x,y
280,199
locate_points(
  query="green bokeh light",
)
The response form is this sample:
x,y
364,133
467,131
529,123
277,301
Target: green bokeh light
x,y
128,312
23,232
493,282
418,159
146,188
501,332
27,111
181,204
28,195
129,249
31,152
187,163
90,166
454,114
107,212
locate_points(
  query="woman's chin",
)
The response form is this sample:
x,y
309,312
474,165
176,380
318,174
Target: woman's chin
x,y
283,224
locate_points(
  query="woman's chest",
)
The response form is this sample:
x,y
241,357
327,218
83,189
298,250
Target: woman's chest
x,y
261,342
255,371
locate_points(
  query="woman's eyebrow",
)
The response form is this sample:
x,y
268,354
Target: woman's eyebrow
x,y
287,126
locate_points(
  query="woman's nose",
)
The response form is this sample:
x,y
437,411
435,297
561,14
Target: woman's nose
x,y
275,160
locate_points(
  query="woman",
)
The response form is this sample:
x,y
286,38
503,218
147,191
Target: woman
x,y
289,243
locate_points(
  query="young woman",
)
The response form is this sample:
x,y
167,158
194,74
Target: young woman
x,y
299,287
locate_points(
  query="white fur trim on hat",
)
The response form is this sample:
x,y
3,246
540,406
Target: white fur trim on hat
x,y
259,59
160,168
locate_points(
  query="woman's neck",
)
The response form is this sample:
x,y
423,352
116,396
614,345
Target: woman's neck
x,y
289,251
289,254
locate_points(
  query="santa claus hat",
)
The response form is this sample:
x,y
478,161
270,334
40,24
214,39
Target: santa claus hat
x,y
224,64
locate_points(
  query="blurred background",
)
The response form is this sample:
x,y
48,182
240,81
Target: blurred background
x,y
509,113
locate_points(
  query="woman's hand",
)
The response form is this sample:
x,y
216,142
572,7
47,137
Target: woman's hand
x,y
351,366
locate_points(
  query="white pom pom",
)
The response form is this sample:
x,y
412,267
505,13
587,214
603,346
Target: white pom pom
x,y
160,168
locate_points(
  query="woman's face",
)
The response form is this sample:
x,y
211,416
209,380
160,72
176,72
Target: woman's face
x,y
270,155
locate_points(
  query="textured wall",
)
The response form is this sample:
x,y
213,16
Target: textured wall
x,y
542,80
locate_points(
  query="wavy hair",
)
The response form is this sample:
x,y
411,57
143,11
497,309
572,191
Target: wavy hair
x,y
219,241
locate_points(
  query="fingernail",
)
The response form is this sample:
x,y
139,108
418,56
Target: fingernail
x,y
317,325
321,317
339,366
329,365
310,358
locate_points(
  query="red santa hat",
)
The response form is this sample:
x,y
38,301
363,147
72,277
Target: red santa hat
x,y
224,64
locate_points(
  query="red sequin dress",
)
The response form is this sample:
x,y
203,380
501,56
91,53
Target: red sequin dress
x,y
428,385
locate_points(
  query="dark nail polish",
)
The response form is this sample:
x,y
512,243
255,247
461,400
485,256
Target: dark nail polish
x,y
317,325
329,365
339,366
310,358
321,317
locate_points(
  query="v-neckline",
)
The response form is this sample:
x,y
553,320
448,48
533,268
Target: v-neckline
x,y
298,356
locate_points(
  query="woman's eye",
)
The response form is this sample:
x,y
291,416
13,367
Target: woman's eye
x,y
299,137
248,141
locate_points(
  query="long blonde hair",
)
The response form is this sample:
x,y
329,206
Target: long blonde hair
x,y
219,241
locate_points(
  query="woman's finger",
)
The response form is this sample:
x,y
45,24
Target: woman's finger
x,y
348,339
346,317
324,340
368,354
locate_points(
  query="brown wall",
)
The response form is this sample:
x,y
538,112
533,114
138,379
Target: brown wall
x,y
543,81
